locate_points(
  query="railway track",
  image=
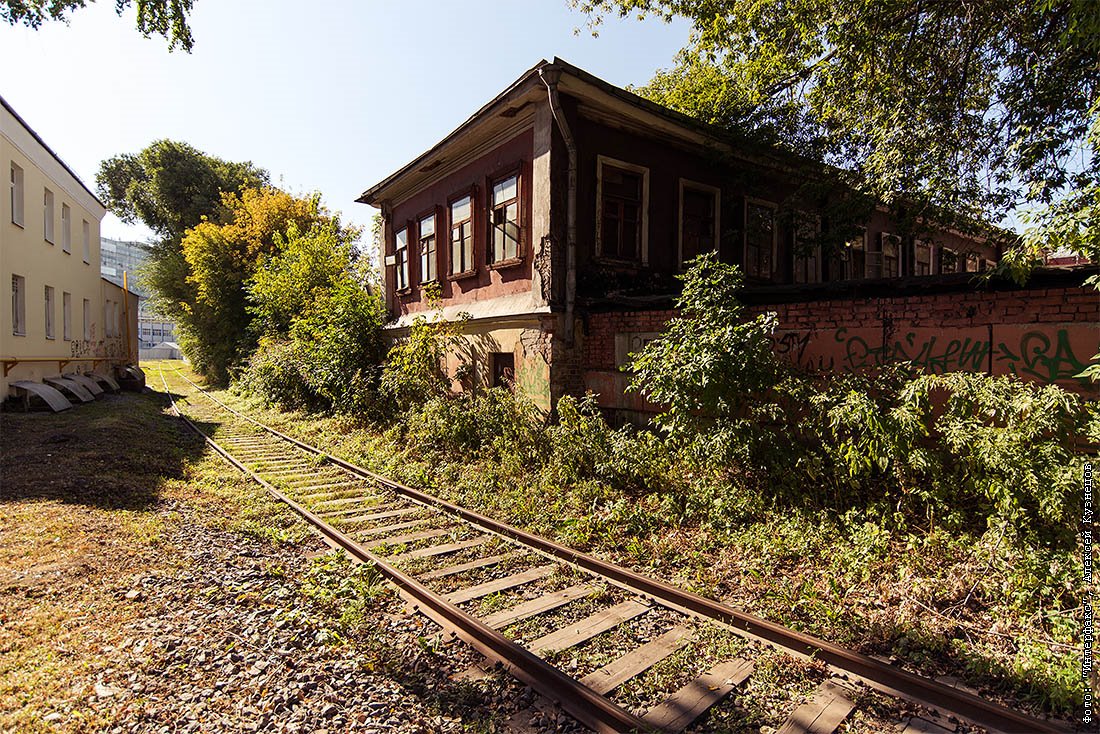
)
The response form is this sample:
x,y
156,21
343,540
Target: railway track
x,y
527,603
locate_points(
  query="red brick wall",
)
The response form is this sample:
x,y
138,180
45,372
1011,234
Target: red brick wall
x,y
1042,334
945,310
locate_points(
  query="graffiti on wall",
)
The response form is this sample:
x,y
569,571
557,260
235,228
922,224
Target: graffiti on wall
x,y
114,348
1052,353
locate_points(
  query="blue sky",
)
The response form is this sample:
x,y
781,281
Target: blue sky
x,y
329,96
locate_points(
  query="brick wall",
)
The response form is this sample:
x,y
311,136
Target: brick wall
x,y
1047,332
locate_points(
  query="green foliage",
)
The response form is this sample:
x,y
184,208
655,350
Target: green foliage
x,y
167,18
960,449
171,186
415,370
492,423
220,260
585,448
340,346
711,358
954,111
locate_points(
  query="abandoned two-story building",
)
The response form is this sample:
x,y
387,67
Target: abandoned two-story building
x,y
557,216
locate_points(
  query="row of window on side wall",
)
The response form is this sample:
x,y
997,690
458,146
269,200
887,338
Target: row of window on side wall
x,y
504,236
16,200
19,312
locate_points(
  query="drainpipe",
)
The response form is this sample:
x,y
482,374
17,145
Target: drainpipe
x,y
550,76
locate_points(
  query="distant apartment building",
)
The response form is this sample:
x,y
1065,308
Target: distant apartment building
x,y
61,316
120,256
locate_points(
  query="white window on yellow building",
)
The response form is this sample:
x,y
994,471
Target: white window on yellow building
x,y
49,312
47,215
67,316
16,194
87,232
66,228
87,320
18,305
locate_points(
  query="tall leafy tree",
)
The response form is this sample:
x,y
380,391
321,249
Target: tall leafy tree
x,y
170,187
167,18
974,107
219,260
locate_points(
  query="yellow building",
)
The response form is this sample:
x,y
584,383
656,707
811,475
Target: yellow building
x,y
61,315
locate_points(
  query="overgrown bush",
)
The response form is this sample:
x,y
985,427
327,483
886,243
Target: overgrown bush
x,y
415,371
493,423
961,449
273,373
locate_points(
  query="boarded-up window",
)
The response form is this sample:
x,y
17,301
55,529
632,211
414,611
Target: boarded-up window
x,y
87,319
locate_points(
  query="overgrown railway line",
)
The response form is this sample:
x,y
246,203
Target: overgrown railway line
x,y
448,562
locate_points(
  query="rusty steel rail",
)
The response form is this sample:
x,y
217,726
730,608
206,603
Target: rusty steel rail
x,y
876,674
588,707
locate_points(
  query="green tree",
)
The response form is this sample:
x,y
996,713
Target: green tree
x,y
167,18
219,261
962,110
304,267
171,186
712,359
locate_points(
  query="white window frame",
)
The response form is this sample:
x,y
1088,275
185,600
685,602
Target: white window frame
x,y
427,263
48,299
814,219
600,161
47,215
18,305
67,316
745,234
86,232
16,185
713,191
66,228
87,316
401,268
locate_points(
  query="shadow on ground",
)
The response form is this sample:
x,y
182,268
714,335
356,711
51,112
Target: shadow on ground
x,y
112,454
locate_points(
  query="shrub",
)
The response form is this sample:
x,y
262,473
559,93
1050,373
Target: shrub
x,y
273,374
415,369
